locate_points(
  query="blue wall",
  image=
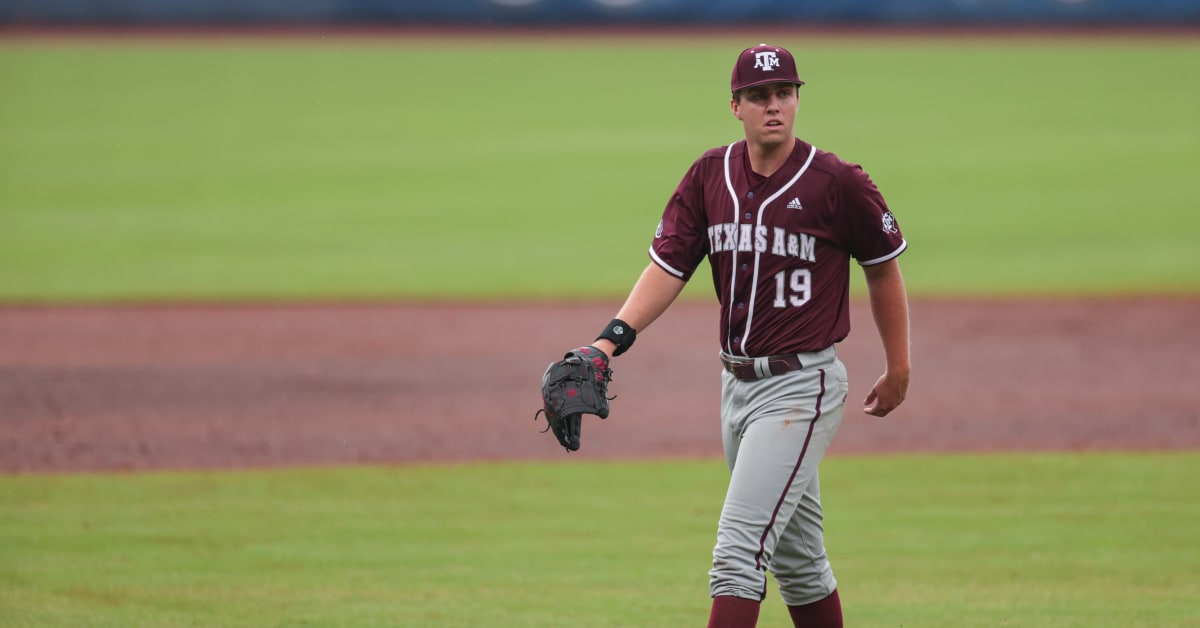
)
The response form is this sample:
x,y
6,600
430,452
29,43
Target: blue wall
x,y
583,12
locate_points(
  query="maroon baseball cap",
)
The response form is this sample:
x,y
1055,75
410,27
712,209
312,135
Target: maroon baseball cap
x,y
764,64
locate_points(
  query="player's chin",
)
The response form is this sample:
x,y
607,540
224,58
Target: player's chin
x,y
772,138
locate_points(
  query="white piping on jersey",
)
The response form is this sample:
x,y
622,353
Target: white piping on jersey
x,y
757,255
665,266
737,209
880,260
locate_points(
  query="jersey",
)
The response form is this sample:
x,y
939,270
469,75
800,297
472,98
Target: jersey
x,y
779,247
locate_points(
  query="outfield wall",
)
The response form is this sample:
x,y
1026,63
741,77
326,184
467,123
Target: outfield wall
x,y
588,12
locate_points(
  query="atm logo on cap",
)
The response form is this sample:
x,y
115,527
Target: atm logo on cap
x,y
766,60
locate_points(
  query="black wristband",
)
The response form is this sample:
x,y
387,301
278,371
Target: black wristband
x,y
619,333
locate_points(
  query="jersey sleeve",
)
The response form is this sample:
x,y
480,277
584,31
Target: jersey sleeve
x,y
681,240
874,235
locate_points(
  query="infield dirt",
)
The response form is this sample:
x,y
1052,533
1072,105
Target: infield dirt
x,y
206,386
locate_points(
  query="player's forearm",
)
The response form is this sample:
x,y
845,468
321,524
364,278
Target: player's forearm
x,y
889,306
653,293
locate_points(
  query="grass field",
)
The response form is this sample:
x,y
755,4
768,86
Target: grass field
x,y
953,541
467,169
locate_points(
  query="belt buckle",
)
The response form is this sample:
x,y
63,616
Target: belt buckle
x,y
741,368
730,363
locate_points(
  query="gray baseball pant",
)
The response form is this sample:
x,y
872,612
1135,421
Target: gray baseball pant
x,y
775,432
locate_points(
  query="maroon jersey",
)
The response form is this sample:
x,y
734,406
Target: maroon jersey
x,y
779,246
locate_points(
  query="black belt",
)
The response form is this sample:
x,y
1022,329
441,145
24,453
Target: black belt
x,y
745,369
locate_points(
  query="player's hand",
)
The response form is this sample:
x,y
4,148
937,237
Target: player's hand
x,y
887,394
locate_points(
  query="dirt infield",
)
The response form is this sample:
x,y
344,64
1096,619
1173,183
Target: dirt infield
x,y
130,388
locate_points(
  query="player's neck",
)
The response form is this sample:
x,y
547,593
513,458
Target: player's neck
x,y
765,159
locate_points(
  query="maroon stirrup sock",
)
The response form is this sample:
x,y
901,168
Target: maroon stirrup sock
x,y
733,612
826,613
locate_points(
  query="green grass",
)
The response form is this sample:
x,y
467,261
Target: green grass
x,y
1002,540
474,168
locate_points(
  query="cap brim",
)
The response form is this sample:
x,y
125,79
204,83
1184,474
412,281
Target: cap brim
x,y
766,82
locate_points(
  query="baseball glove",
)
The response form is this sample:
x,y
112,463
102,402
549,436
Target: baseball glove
x,y
574,386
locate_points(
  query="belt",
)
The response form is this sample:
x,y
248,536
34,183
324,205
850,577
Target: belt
x,y
750,369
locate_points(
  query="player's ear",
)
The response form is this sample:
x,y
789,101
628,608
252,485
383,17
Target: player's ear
x,y
733,106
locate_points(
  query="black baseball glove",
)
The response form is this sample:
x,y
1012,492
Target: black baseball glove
x,y
574,386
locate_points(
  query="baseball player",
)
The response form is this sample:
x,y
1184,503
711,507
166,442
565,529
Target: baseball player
x,y
779,220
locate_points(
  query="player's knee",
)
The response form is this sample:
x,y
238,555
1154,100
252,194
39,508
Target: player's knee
x,y
738,570
752,586
798,589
